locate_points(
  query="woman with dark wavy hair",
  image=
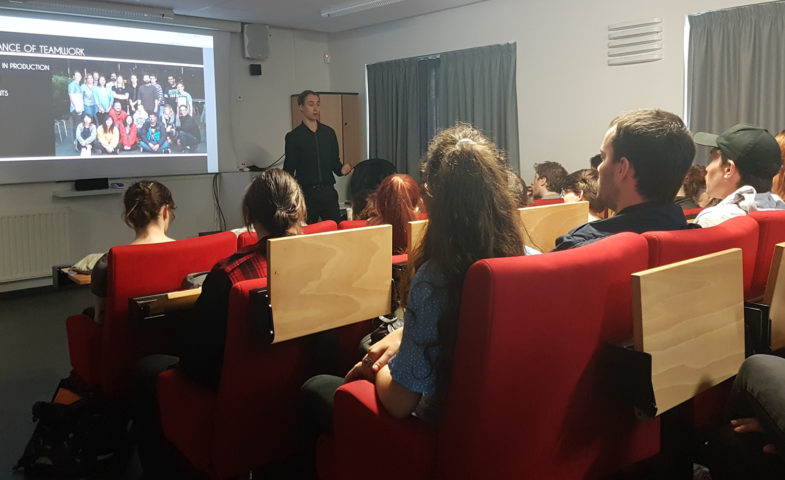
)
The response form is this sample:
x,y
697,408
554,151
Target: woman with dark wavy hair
x,y
397,202
473,215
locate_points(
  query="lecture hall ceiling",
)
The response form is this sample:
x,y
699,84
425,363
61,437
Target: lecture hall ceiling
x,y
301,14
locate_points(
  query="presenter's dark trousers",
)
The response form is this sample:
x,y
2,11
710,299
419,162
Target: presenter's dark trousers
x,y
321,202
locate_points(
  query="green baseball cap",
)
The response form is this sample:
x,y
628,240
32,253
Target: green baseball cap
x,y
753,149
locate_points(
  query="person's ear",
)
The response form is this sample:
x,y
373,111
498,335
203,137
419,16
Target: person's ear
x,y
623,168
164,212
582,197
729,169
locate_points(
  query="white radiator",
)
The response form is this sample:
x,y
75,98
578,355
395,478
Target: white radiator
x,y
31,242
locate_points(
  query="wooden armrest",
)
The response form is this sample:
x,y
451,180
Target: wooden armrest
x,y
689,316
159,304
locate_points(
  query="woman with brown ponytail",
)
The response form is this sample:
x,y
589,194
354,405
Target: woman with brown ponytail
x,y
275,207
149,208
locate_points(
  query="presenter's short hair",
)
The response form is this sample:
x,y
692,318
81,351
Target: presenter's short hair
x,y
302,96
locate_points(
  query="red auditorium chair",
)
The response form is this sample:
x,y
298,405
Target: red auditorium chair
x,y
249,238
771,225
524,400
346,224
673,246
691,213
546,201
251,420
104,355
676,245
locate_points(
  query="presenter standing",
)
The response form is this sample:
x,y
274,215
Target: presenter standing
x,y
312,158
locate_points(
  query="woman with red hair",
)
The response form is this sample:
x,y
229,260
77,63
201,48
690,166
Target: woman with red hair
x,y
397,202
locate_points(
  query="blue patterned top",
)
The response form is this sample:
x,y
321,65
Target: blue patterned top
x,y
410,368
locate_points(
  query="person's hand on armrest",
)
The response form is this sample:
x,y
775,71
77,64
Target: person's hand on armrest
x,y
377,357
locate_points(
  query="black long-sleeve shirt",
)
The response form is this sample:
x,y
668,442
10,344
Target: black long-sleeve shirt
x,y
312,157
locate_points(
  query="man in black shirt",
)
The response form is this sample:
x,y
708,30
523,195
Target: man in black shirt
x,y
188,135
312,158
645,155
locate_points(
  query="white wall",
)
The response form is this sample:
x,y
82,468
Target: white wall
x,y
567,94
251,131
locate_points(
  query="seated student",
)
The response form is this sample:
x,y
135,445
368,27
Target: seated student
x,y
85,136
692,189
128,138
108,137
149,208
778,182
753,444
188,134
397,202
274,206
645,155
595,161
547,183
462,173
582,185
153,137
743,161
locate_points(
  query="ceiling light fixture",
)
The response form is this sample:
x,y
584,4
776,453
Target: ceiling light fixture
x,y
90,8
354,7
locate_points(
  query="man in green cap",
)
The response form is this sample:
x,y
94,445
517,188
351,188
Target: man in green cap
x,y
743,161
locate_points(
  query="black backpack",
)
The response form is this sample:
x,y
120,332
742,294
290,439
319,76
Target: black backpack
x,y
77,439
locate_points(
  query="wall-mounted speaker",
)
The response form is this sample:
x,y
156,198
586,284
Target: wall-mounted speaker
x,y
256,41
255,69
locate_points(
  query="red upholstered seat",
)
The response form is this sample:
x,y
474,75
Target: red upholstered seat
x,y
674,246
320,227
771,228
251,420
104,355
247,239
546,201
347,224
690,213
524,400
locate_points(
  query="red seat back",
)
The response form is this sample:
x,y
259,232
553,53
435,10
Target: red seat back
x,y
347,224
320,227
256,408
771,231
674,246
247,239
546,201
524,400
136,270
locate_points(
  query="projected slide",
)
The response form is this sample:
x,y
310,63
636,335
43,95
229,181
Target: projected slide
x,y
76,90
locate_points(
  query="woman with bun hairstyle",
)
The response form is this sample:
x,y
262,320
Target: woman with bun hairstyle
x,y
397,202
274,206
149,208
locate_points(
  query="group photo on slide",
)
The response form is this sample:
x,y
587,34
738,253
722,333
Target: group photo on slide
x,y
109,108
